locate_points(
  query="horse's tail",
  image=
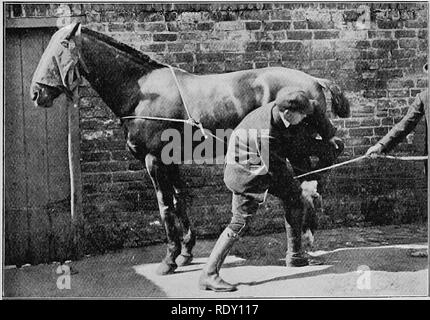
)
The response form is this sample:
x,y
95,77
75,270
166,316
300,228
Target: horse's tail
x,y
340,104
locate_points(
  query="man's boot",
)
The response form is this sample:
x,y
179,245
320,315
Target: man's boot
x,y
210,279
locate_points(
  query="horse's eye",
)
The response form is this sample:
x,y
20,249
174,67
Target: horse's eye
x,y
65,44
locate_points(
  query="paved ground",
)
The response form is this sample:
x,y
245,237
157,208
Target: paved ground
x,y
358,262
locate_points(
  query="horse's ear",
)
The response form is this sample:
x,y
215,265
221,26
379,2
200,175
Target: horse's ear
x,y
75,31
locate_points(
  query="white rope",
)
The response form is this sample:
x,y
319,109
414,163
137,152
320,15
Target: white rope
x,y
157,118
411,158
190,121
193,122
331,167
180,92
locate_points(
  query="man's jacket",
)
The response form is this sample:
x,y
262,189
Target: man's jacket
x,y
415,112
258,148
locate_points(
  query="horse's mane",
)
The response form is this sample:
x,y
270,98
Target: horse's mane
x,y
138,56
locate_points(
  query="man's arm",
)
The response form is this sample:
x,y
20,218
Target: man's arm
x,y
322,124
404,127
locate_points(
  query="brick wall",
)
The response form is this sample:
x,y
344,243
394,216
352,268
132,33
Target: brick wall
x,y
375,52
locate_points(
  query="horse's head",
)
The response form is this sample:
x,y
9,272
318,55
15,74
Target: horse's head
x,y
312,201
57,69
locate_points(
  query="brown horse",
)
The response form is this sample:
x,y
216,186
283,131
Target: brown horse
x,y
132,84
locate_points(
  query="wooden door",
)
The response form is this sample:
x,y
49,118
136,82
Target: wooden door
x,y
36,176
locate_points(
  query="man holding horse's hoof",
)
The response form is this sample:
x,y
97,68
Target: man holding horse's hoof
x,y
256,164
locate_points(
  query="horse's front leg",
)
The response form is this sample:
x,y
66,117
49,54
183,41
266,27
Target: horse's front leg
x,y
165,196
188,239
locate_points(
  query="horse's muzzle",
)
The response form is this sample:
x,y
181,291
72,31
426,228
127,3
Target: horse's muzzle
x,y
34,96
40,102
43,96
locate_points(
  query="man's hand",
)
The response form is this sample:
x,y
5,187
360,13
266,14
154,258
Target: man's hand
x,y
334,142
374,151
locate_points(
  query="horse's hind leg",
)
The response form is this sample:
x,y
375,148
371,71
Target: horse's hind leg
x,y
180,197
165,196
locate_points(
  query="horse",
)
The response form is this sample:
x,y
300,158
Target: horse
x,y
136,88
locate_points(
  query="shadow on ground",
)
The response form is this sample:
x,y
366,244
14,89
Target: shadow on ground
x,y
355,260
109,275
388,271
260,271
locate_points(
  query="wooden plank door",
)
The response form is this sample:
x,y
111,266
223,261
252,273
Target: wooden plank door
x,y
37,186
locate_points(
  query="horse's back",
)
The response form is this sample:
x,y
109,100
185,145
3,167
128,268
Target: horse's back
x,y
218,101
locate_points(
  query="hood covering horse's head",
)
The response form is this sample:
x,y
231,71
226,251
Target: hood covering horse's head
x,y
57,71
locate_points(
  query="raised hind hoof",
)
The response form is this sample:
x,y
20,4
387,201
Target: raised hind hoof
x,y
165,268
183,260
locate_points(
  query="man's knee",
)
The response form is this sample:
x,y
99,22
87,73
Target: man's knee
x,y
243,208
239,223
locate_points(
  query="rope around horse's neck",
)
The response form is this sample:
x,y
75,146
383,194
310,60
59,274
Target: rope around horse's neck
x,y
191,121
180,91
190,118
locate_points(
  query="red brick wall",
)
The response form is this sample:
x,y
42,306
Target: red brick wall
x,y
377,60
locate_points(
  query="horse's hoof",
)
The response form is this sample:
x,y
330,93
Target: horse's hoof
x,y
183,260
164,269
303,261
316,262
73,270
296,261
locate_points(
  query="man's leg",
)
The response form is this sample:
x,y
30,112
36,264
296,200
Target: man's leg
x,y
243,207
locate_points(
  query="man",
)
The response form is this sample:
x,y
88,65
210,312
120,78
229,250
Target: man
x,y
256,164
415,112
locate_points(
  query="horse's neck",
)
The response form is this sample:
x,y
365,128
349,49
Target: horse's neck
x,y
113,74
